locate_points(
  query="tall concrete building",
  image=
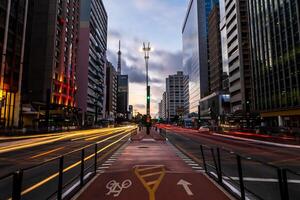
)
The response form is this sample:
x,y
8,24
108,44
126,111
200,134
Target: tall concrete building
x,y
216,104
224,49
91,60
13,15
164,109
111,91
175,95
214,51
238,47
51,55
122,96
160,109
195,58
275,48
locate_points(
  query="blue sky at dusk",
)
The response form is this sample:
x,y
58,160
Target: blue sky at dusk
x,y
137,21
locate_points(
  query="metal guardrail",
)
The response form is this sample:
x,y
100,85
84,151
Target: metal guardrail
x,y
62,176
214,158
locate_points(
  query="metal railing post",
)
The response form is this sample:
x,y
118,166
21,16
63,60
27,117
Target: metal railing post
x,y
219,166
240,171
17,185
283,185
203,158
82,168
60,178
214,159
95,158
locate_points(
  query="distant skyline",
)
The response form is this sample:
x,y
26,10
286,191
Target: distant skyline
x,y
137,21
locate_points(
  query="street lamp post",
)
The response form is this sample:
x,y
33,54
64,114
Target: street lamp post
x,y
147,50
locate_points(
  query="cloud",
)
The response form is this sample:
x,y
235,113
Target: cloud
x,y
139,106
162,63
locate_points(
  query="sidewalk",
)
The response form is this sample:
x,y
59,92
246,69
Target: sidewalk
x,y
150,169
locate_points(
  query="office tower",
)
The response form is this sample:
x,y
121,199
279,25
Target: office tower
x,y
164,106
214,51
13,24
111,91
175,95
238,47
51,59
195,58
224,53
91,60
275,55
122,96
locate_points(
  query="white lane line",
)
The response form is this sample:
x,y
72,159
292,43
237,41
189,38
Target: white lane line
x,y
197,167
193,164
104,167
270,180
259,141
230,186
110,161
106,164
75,186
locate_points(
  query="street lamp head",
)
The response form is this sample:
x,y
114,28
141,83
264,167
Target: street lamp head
x,y
146,48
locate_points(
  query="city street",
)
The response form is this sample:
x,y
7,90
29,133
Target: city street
x,y
33,150
259,161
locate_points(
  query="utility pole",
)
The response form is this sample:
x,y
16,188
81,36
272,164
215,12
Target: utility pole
x,y
147,50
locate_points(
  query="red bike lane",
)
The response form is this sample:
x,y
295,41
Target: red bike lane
x,y
150,170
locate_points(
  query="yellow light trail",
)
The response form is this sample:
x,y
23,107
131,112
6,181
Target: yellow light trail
x,y
55,139
72,166
46,153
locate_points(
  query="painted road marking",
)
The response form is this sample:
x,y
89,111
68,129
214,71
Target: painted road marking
x,y
116,188
259,141
47,152
151,177
186,186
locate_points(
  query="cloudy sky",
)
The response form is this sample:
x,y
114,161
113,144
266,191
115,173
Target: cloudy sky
x,y
137,21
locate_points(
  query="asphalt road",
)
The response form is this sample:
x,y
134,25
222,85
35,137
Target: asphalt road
x,y
260,177
42,181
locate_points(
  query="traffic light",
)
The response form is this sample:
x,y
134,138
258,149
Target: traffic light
x,y
148,93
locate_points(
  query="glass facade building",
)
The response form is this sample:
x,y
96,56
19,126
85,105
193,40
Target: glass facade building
x,y
275,47
195,58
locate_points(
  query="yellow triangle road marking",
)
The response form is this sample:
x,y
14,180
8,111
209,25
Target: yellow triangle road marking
x,y
150,176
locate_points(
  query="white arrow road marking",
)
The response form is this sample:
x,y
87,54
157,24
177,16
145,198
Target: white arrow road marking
x,y
186,187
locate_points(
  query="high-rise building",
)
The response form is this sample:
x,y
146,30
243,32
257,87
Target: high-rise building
x,y
195,58
164,109
175,95
122,96
13,20
275,54
214,50
216,104
91,60
224,53
238,47
111,91
160,109
51,54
